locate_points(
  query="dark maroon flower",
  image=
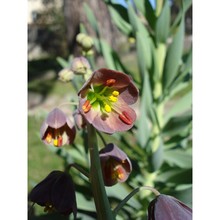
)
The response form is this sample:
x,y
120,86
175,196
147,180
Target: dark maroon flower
x,y
56,193
105,101
166,207
115,164
57,129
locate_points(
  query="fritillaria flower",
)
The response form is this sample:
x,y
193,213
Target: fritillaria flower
x,y
105,101
56,193
166,207
115,164
57,129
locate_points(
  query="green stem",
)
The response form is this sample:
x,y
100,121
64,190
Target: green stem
x,y
103,208
125,200
79,168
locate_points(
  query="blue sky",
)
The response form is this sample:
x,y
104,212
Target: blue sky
x,y
123,2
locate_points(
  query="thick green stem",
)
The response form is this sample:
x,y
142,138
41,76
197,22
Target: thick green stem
x,y
103,208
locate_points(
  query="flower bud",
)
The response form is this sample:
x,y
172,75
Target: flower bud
x,y
79,38
66,75
87,43
80,66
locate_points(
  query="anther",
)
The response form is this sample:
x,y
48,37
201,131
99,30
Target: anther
x,y
113,98
107,108
55,142
86,106
110,82
48,138
126,118
115,93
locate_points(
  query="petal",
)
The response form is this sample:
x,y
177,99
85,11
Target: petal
x,y
100,77
111,123
43,129
63,195
56,118
129,94
111,150
40,194
166,208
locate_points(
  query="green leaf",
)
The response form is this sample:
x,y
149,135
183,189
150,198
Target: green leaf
x,y
163,24
177,176
184,103
185,6
150,14
119,16
173,57
62,62
177,124
178,158
157,158
143,133
185,69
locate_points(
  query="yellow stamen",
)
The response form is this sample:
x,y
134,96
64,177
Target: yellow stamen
x,y
55,142
113,98
49,138
115,93
107,108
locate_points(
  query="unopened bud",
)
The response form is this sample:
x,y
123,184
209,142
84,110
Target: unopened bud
x,y
65,75
87,43
79,38
80,65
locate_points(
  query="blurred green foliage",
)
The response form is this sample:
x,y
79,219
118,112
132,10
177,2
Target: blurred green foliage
x,y
160,143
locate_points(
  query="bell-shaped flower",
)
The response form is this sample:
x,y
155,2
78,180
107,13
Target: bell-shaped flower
x,y
57,129
165,207
105,101
115,164
56,193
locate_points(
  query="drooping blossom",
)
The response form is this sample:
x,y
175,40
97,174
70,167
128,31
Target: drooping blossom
x,y
115,164
56,193
105,101
165,207
57,129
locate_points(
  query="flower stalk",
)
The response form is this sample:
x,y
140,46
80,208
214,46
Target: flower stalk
x,y
129,196
101,200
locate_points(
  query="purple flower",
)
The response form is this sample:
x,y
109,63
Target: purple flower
x,y
115,164
57,129
105,101
166,207
56,193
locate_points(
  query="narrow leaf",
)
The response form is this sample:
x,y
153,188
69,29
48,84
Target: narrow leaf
x,y
163,24
173,57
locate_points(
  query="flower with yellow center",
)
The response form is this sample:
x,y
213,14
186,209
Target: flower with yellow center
x,y
105,101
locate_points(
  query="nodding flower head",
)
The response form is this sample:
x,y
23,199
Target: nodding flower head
x,y
105,101
165,207
115,164
57,129
56,193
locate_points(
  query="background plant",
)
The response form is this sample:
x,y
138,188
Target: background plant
x,y
159,145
